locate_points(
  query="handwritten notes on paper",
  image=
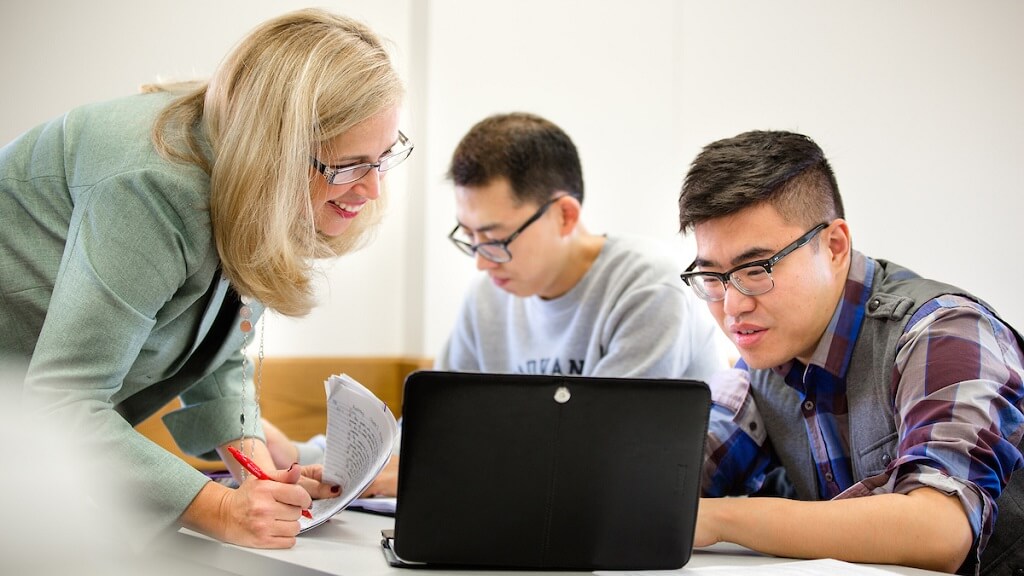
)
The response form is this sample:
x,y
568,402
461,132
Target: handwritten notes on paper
x,y
361,431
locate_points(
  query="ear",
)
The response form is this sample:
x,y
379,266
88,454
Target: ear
x,y
568,210
839,244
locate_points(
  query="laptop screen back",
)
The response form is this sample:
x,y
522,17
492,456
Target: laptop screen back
x,y
549,472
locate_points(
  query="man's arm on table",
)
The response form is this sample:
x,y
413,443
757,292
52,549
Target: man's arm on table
x,y
924,528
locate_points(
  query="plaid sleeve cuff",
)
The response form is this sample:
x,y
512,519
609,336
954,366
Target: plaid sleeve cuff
x,y
730,389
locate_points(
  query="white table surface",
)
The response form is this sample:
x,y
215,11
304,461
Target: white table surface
x,y
349,545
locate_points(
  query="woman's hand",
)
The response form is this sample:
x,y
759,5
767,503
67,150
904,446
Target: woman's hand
x,y
312,481
258,514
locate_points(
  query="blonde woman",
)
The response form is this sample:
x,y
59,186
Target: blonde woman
x,y
140,240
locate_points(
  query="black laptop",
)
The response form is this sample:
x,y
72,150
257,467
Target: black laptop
x,y
548,472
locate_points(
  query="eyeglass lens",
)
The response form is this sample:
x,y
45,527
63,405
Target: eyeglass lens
x,y
497,251
345,176
752,281
353,173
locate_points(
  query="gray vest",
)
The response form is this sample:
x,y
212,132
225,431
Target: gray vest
x,y
896,294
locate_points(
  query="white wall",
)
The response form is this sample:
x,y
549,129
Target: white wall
x,y
916,103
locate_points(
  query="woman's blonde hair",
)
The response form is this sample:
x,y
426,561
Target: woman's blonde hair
x,y
291,85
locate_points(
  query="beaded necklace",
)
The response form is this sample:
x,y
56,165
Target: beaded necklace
x,y
245,312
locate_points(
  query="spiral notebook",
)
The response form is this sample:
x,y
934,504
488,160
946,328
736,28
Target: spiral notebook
x,y
548,472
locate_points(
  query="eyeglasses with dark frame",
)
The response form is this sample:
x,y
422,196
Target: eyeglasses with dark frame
x,y
349,174
497,250
753,278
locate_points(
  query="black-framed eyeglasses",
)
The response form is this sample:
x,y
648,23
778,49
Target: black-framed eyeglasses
x,y
753,278
497,250
349,174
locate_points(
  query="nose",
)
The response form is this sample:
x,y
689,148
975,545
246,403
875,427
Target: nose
x,y
369,185
736,302
484,264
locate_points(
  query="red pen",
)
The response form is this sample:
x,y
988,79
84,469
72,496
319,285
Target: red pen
x,y
256,470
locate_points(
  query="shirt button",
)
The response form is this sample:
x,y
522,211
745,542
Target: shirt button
x,y
885,460
874,304
808,405
753,425
828,476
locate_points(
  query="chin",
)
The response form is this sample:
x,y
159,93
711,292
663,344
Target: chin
x,y
514,293
519,293
333,229
760,361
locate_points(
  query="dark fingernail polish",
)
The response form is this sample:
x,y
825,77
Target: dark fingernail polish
x,y
335,489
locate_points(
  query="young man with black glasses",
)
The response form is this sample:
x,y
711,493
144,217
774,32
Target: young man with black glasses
x,y
557,299
885,407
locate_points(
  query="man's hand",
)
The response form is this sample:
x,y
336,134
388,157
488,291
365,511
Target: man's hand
x,y
386,483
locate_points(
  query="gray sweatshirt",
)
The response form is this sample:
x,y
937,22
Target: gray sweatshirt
x,y
629,316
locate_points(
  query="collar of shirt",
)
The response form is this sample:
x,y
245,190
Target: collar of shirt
x,y
835,348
